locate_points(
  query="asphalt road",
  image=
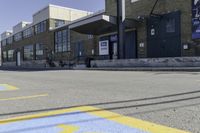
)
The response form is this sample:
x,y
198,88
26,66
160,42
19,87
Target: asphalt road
x,y
167,98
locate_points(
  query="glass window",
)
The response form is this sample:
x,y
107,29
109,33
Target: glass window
x,y
59,23
10,40
61,44
18,36
10,55
170,25
39,51
41,27
4,42
90,36
28,32
4,56
28,52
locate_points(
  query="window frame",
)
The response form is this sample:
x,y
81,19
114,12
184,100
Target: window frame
x,y
39,49
10,56
28,52
61,41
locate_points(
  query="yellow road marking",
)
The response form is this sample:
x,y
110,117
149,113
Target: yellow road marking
x,y
23,97
68,128
124,120
9,87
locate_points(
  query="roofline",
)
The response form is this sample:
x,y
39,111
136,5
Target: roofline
x,y
52,5
101,12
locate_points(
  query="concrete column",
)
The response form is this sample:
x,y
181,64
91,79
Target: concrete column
x,y
121,28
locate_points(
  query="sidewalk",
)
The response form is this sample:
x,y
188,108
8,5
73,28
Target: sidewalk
x,y
184,69
32,68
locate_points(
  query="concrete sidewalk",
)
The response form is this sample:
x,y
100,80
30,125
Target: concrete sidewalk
x,y
184,69
32,68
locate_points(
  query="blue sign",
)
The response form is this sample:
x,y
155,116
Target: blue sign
x,y
113,38
195,19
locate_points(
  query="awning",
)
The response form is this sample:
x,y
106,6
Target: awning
x,y
98,24
95,25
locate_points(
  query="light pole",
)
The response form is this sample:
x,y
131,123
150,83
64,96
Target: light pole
x,y
121,28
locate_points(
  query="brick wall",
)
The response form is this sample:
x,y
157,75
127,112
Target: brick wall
x,y
143,8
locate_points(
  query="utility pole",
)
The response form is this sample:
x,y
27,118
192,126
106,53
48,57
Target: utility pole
x,y
121,28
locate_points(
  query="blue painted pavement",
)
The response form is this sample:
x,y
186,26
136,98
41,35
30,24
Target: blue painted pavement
x,y
85,122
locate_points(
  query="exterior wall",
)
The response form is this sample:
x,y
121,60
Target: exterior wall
x,y
143,8
52,23
20,26
41,15
5,35
50,14
89,45
45,38
60,13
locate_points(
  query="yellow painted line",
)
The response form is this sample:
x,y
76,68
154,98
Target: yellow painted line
x,y
68,128
124,120
23,97
9,87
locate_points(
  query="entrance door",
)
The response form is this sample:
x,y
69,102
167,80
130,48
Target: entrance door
x,y
79,50
163,35
18,60
130,45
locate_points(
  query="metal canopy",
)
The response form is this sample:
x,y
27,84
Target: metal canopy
x,y
98,25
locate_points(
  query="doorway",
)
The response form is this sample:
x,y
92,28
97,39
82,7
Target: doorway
x,y
163,35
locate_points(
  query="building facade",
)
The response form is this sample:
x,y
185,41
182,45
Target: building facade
x,y
163,29
36,43
153,29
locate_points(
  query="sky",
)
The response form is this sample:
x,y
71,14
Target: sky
x,y
14,11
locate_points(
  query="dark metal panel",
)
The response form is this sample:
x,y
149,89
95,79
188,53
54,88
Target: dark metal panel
x,y
130,45
163,35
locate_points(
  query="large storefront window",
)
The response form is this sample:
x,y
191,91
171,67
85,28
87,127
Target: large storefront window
x,y
61,41
10,55
28,32
18,36
4,56
41,27
28,52
39,51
